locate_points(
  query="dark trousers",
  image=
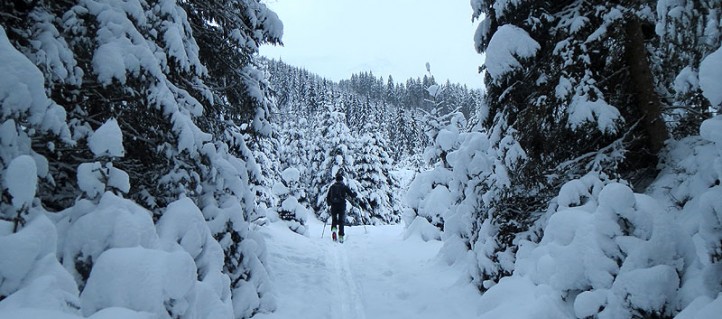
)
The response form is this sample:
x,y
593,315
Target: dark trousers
x,y
338,218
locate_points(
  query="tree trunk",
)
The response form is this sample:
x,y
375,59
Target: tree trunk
x,y
648,102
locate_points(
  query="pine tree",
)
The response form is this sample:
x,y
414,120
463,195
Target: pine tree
x,y
357,97
295,155
30,120
372,168
576,72
289,192
332,154
688,31
179,88
391,93
433,189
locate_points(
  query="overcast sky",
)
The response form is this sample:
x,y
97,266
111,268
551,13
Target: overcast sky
x,y
336,38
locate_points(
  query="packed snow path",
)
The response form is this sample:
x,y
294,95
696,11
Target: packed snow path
x,y
374,274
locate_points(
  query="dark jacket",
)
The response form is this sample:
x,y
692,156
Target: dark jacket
x,y
345,190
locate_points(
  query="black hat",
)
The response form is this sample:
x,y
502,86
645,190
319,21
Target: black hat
x,y
339,177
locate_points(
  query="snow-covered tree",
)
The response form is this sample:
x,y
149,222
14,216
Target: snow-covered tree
x,y
608,252
158,74
618,233
372,168
265,152
433,191
570,84
474,224
590,85
333,153
28,239
295,153
602,253
289,193
688,31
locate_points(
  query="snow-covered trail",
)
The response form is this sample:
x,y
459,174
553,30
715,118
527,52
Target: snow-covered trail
x,y
375,274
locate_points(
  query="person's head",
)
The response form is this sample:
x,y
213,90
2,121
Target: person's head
x,y
339,177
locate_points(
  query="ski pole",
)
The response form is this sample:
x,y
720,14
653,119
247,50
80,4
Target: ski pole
x,y
366,231
324,227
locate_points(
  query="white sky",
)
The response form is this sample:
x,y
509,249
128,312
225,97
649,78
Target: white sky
x,y
336,38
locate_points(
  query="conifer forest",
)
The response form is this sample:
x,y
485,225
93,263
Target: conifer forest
x,y
154,165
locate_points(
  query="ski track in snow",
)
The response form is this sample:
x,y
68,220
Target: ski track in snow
x,y
373,275
349,290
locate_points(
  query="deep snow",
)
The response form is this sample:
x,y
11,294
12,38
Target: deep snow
x,y
376,274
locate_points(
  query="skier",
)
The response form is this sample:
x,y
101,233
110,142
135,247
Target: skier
x,y
336,198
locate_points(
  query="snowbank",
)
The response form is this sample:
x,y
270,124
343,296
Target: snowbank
x,y
108,313
87,230
611,253
421,228
610,260
140,279
183,227
520,298
30,274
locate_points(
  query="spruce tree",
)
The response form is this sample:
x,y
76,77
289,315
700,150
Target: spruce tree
x,y
183,91
332,154
295,154
688,31
289,192
577,72
372,169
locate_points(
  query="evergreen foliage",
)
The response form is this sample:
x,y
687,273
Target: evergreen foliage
x,y
148,135
578,101
574,117
573,72
687,32
349,127
290,193
377,187
333,154
397,108
179,84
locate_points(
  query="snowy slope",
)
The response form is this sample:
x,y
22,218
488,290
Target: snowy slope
x,y
375,274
